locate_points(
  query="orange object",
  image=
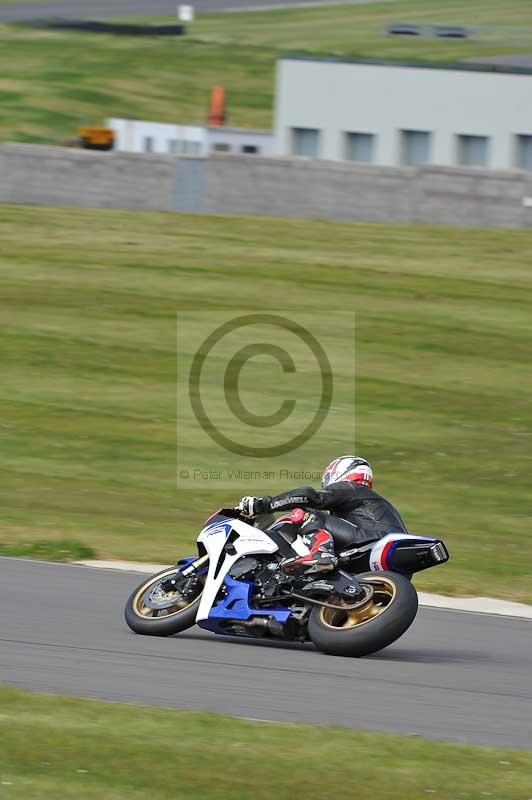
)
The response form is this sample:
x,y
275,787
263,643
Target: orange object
x,y
217,106
96,137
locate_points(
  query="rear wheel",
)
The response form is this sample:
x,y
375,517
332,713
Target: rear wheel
x,y
157,608
373,624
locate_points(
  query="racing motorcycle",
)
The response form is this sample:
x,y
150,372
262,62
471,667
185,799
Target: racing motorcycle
x,y
234,586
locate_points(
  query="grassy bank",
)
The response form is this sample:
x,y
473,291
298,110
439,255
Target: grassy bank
x,y
88,390
62,747
51,81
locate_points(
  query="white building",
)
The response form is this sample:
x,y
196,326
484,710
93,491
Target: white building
x,y
404,114
137,136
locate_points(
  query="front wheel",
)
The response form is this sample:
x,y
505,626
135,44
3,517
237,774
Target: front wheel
x,y
386,615
156,607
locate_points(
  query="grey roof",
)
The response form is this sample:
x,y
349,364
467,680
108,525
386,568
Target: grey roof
x,y
515,60
457,66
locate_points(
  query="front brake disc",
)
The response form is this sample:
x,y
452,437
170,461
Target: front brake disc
x,y
158,598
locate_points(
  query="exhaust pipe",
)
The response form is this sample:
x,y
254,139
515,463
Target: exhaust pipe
x,y
276,629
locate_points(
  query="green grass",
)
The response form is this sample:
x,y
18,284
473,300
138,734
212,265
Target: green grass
x,y
88,365
60,550
69,748
51,81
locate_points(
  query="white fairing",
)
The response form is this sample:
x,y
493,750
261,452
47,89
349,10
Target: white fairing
x,y
377,560
251,541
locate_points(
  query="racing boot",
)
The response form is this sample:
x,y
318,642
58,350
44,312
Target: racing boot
x,y
321,557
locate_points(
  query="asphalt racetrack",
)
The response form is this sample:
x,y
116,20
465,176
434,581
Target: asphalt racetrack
x,y
98,9
455,675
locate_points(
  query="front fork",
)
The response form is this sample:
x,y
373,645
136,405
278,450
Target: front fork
x,y
198,562
185,568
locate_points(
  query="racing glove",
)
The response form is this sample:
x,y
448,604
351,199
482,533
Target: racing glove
x,y
253,506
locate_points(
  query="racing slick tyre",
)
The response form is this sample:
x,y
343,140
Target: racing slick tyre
x,y
153,610
374,624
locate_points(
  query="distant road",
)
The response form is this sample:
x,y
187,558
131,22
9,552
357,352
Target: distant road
x,y
454,675
97,9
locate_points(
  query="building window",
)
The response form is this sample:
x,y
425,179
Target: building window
x,y
148,144
305,142
359,147
172,146
249,148
472,151
523,152
190,148
416,147
221,147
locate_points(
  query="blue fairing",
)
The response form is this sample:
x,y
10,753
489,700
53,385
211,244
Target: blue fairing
x,y
235,606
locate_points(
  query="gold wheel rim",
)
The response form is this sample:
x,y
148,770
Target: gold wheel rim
x,y
338,618
145,612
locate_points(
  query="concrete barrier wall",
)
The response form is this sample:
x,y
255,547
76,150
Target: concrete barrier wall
x,y
320,189
472,197
71,177
264,186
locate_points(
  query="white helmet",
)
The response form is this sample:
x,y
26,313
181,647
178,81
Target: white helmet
x,y
348,468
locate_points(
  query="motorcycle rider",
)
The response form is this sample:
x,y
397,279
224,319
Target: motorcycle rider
x,y
346,493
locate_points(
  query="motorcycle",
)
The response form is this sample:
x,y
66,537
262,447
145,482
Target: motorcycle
x,y
234,586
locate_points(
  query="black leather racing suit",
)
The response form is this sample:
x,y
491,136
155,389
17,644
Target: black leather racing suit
x,y
370,515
